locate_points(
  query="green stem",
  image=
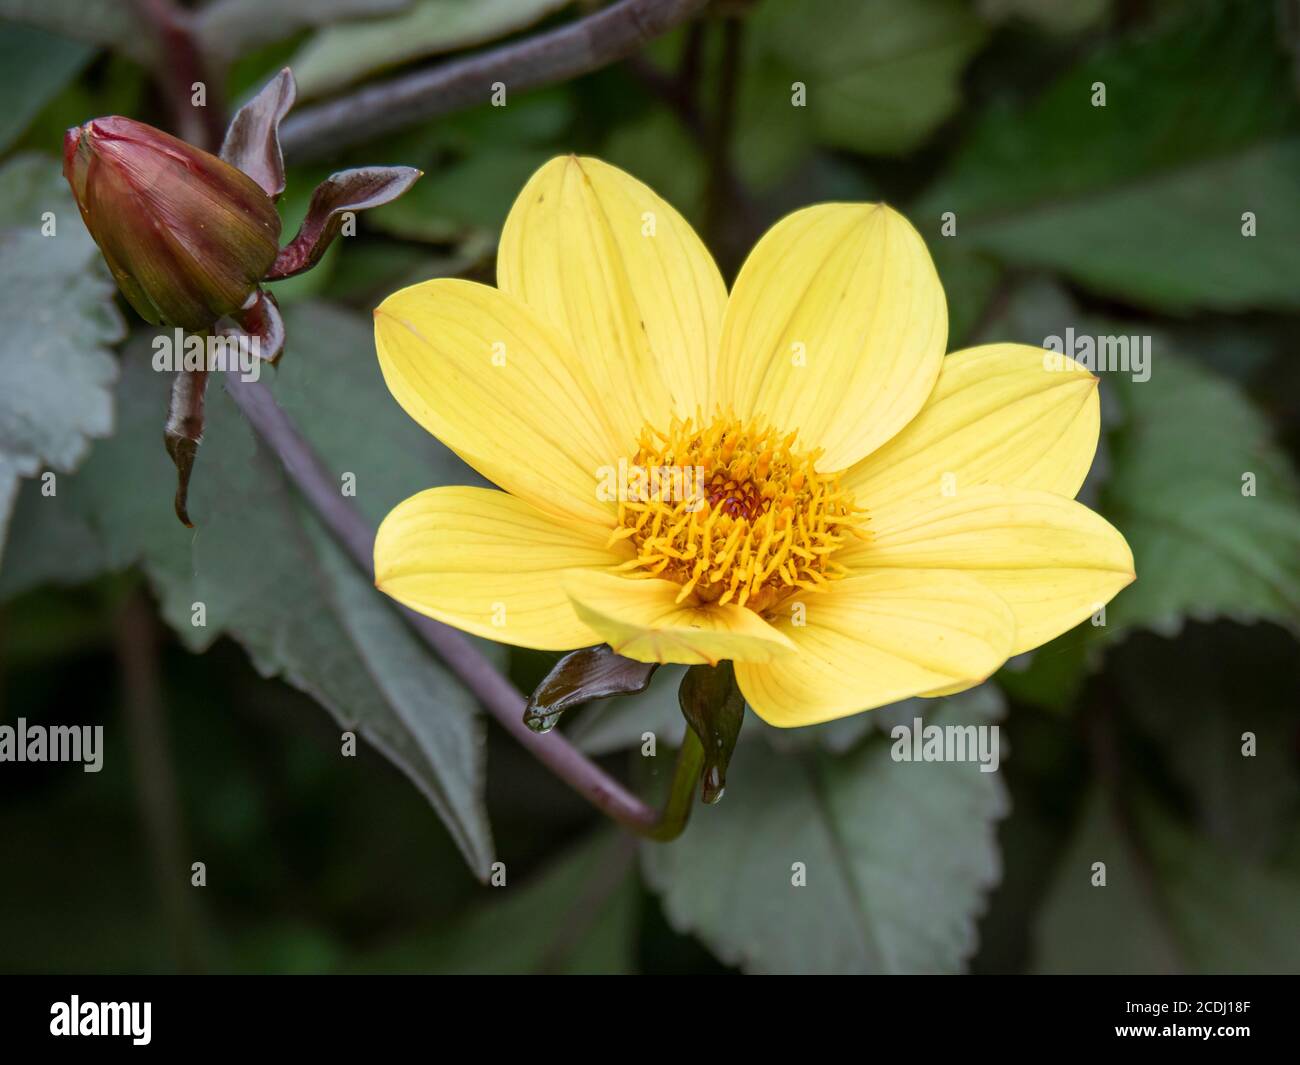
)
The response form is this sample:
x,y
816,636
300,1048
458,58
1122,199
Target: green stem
x,y
686,778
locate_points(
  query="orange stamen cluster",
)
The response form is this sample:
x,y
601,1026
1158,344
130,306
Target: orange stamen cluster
x,y
733,513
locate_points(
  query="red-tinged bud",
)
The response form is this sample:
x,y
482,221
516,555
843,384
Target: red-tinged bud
x,y
186,235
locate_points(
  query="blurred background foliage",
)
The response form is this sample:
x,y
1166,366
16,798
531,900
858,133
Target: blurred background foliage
x,y
1122,743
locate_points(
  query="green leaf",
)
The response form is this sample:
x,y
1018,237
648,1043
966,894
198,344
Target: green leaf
x,y
300,607
970,280
339,55
1050,15
898,856
101,22
1051,676
462,200
531,121
1171,903
658,150
264,570
34,66
370,271
113,85
772,136
1143,199
230,28
1203,547
1180,447
115,512
579,915
57,302
880,75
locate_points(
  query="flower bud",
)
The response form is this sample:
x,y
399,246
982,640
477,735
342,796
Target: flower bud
x,y
186,235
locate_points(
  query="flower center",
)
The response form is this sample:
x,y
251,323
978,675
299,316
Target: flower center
x,y
733,513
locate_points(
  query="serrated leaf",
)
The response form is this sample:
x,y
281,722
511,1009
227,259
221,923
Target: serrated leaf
x,y
264,571
1171,903
339,55
1144,199
57,302
1179,448
115,511
898,856
406,703
879,75
1203,546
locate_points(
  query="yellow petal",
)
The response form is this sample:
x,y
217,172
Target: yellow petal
x,y
1053,560
641,619
874,639
501,389
1000,414
611,265
487,563
836,327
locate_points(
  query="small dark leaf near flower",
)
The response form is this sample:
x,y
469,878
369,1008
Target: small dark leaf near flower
x,y
579,677
348,190
714,708
253,139
184,432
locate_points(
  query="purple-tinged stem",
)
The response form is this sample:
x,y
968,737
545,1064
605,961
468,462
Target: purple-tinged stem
x,y
608,35
182,65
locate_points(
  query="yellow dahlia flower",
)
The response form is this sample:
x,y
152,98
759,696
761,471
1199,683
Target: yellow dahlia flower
x,y
866,518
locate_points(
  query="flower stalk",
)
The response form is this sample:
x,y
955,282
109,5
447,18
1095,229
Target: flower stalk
x,y
681,795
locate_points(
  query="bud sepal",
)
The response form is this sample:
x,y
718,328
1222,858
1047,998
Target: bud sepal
x,y
714,709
